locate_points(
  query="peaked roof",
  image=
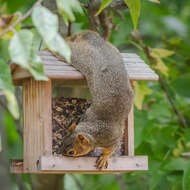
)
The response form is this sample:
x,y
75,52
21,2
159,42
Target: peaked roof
x,y
56,69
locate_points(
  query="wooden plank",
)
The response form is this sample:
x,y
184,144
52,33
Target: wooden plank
x,y
128,138
69,83
139,163
87,164
76,75
129,134
120,164
129,141
37,116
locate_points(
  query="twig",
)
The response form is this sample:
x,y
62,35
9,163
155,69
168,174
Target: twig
x,y
163,83
19,128
121,181
27,27
69,29
164,86
40,45
21,18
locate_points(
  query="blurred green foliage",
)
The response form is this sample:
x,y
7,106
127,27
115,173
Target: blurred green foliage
x,y
158,131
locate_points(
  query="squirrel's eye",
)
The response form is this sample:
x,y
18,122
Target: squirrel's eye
x,y
71,152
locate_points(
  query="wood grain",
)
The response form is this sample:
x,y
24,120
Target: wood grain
x,y
129,142
87,164
37,116
83,165
56,69
52,164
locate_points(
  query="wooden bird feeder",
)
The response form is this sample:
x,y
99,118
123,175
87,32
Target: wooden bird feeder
x,y
37,120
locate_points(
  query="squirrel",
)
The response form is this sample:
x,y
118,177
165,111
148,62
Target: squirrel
x,y
103,123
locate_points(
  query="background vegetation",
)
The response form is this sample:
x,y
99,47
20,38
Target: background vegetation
x,y
162,111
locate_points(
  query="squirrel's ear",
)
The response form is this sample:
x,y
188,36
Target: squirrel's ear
x,y
72,127
82,139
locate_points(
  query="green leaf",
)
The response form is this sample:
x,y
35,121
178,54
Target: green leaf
x,y
37,68
59,45
160,110
155,179
160,65
162,53
20,48
186,178
21,53
135,9
177,164
66,8
141,123
140,92
181,85
45,21
5,77
12,103
8,89
158,54
0,144
179,149
104,4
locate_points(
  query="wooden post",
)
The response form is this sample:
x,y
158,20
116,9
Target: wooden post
x,y
129,133
37,116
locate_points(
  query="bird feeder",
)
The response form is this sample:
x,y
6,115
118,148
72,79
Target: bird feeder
x,y
37,120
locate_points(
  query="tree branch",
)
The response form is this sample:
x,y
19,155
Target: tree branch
x,y
163,83
164,86
11,28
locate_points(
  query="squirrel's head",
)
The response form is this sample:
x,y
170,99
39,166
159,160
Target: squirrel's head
x,y
76,143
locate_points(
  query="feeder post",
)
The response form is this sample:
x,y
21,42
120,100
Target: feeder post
x,y
37,117
129,133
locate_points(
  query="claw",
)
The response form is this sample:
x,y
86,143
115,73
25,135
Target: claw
x,y
102,162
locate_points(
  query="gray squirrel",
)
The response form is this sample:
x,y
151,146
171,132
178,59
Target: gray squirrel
x,y
103,124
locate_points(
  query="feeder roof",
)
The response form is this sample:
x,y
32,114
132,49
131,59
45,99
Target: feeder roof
x,y
56,69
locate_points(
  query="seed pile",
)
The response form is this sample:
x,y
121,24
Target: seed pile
x,y
68,111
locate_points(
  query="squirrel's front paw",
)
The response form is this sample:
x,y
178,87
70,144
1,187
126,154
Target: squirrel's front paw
x,y
102,162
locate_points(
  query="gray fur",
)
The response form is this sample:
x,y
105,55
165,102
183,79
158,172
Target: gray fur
x,y
102,65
